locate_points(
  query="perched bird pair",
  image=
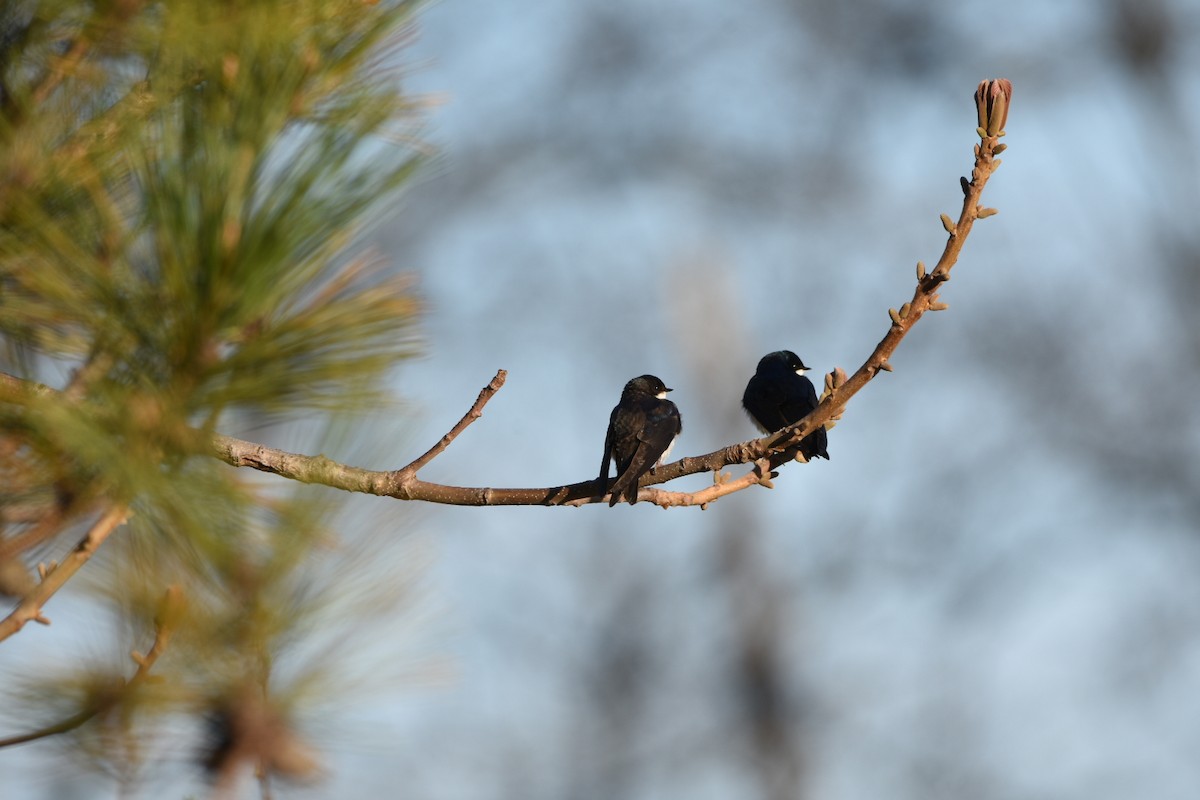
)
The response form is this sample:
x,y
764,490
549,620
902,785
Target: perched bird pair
x,y
643,426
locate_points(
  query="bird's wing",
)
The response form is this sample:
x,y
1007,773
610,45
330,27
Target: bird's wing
x,y
608,450
801,399
663,424
765,401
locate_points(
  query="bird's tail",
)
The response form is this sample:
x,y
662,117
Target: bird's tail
x,y
624,489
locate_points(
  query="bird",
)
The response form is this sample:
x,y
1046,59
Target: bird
x,y
641,431
779,395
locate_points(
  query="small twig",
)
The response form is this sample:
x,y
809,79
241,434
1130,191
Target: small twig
x,y
475,412
759,474
162,635
30,608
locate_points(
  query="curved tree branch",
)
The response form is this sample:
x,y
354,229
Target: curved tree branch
x,y
765,453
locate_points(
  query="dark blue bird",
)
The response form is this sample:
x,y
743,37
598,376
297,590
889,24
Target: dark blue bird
x,y
641,430
779,395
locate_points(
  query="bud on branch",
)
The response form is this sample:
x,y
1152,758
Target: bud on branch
x,y
992,99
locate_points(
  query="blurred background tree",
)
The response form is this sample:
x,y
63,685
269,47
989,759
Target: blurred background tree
x,y
184,189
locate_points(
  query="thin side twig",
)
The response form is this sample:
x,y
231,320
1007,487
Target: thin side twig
x,y
162,635
30,608
474,413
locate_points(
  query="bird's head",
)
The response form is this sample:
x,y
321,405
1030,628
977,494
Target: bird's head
x,y
782,361
646,385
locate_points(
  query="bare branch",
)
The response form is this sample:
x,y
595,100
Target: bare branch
x,y
774,447
162,634
765,453
30,608
759,474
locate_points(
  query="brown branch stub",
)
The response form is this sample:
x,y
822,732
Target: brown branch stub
x,y
759,474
